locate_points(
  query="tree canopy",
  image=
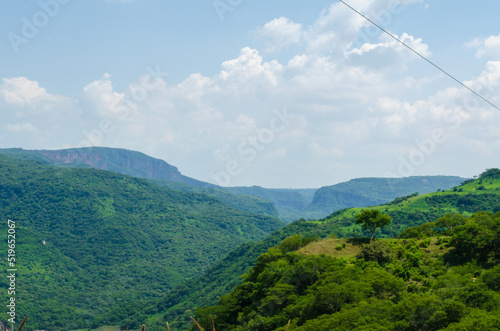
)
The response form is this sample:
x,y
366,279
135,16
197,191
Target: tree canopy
x,y
372,219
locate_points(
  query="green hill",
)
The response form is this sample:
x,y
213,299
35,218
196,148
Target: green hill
x,y
482,194
88,241
139,165
288,204
363,192
177,305
450,282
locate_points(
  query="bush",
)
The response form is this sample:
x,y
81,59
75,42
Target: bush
x,y
378,251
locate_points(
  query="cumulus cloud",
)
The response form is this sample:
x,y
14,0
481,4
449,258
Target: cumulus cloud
x,y
101,98
279,33
20,91
334,105
486,47
34,117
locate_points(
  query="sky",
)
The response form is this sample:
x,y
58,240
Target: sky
x,y
282,94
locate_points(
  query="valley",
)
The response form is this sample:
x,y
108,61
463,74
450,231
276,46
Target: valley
x,y
125,239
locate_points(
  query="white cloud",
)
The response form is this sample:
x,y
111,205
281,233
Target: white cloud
x,y
486,47
395,47
33,117
250,68
20,91
349,100
101,98
279,33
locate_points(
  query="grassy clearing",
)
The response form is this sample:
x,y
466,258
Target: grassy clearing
x,y
107,328
349,248
332,247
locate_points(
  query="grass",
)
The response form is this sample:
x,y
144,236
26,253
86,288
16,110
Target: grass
x,y
332,247
349,248
107,328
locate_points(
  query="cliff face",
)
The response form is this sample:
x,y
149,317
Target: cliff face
x,y
118,160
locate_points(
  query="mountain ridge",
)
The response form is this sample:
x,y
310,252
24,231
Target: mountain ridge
x,y
289,204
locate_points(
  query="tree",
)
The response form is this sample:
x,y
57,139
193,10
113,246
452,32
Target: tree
x,y
450,221
372,219
377,251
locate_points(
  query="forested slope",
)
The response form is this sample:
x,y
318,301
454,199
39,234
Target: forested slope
x,y
449,282
91,240
406,212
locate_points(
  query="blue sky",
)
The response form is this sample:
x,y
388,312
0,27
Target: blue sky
x,y
277,94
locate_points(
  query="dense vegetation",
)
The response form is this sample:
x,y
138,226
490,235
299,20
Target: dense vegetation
x,y
481,194
412,210
445,283
139,165
288,204
362,192
90,240
102,248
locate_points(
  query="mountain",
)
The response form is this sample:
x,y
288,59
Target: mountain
x,y
139,165
363,192
88,240
288,204
122,161
482,194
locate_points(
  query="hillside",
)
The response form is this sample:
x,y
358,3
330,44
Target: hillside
x,y
89,240
274,202
288,204
122,161
450,282
363,192
139,165
218,280
482,194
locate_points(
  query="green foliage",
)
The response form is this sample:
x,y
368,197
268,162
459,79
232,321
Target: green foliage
x,y
450,221
91,242
410,290
422,231
476,239
220,279
362,192
415,211
378,251
418,210
402,199
372,219
295,242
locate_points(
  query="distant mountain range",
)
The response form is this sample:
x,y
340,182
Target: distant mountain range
x,y
288,204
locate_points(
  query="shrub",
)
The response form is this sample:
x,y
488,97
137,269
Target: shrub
x,y
378,251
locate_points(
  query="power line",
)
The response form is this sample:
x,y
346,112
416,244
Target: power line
x,y
423,57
